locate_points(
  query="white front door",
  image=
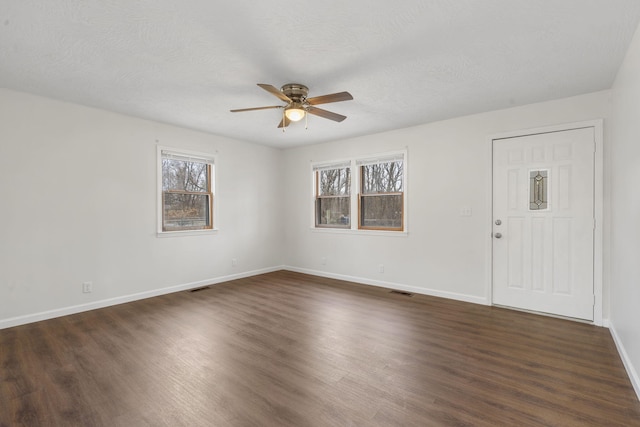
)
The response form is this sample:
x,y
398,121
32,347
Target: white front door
x,y
543,222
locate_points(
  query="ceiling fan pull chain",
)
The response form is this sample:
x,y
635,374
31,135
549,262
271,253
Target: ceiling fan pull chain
x,y
284,128
306,121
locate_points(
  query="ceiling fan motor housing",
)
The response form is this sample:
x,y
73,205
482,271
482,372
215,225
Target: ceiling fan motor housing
x,y
295,91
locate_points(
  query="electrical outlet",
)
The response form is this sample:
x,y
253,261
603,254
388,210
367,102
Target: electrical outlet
x,y
381,268
466,211
87,287
234,262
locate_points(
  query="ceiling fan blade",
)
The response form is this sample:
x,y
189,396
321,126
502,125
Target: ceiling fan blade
x,y
334,97
273,90
326,114
255,108
284,122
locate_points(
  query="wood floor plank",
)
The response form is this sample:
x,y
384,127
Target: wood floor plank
x,y
288,349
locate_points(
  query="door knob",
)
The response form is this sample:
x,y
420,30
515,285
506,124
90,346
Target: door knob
x,y
498,235
498,222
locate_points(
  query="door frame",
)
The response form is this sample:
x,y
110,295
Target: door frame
x,y
598,199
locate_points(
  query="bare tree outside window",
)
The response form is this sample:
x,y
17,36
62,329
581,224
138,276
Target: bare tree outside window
x,y
187,196
333,201
381,197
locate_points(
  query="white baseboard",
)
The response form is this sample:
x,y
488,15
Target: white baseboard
x,y
631,371
392,285
44,315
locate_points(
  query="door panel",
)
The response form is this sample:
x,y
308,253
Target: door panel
x,y
543,207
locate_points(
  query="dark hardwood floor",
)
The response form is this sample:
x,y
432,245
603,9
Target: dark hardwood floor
x,y
286,349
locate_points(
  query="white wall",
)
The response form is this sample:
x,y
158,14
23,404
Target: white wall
x,y
78,203
448,168
625,211
78,191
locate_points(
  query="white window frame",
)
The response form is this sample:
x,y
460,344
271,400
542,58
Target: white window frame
x,y
354,164
197,156
317,169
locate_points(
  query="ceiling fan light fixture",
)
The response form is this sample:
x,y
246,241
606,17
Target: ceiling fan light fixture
x,y
295,113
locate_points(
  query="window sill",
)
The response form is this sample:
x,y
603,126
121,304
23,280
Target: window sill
x,y
186,233
359,232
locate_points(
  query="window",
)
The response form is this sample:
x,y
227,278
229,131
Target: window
x,y
377,192
381,198
333,196
187,192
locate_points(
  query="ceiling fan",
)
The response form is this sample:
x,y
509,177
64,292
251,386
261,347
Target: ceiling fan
x,y
298,105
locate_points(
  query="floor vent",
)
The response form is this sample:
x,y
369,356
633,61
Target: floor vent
x,y
200,289
406,294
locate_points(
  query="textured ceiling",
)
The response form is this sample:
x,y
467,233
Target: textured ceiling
x,y
405,62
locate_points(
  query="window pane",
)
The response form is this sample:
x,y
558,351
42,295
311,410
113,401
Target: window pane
x,y
333,211
381,211
186,211
184,175
334,182
382,178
